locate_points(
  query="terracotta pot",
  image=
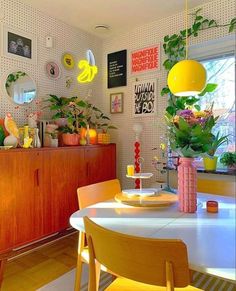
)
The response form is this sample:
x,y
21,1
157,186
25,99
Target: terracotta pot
x,y
70,138
187,185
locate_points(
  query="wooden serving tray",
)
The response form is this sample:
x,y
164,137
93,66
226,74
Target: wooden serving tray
x,y
163,199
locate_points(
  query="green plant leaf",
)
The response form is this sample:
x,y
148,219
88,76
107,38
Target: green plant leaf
x,y
197,107
171,110
210,87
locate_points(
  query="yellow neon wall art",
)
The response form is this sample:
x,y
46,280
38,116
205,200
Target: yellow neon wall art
x,y
89,68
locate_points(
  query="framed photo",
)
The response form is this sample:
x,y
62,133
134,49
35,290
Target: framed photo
x,y
53,70
144,97
68,61
145,60
116,102
19,45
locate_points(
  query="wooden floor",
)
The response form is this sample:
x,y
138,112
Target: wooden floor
x,y
33,270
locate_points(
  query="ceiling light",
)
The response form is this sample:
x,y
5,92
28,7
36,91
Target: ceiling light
x,y
187,77
102,27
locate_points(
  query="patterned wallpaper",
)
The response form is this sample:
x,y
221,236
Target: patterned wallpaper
x,y
20,16
154,127
68,39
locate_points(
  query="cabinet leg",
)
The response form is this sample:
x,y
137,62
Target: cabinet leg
x,y
2,266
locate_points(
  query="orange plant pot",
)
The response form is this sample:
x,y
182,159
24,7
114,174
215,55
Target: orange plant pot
x,y
70,139
104,138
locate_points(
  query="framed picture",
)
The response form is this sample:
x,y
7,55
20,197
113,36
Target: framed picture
x,y
145,60
116,102
68,61
144,97
19,45
117,69
53,70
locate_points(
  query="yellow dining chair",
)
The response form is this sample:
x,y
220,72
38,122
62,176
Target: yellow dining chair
x,y
87,196
144,264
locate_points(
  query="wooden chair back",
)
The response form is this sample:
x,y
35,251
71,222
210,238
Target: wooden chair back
x,y
162,262
98,192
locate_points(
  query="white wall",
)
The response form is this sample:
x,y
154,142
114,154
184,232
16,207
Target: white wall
x,y
154,127
66,39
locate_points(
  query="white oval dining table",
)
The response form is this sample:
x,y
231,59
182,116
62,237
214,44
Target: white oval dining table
x,y
210,237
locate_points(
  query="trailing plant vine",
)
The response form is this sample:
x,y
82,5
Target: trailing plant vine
x,y
175,49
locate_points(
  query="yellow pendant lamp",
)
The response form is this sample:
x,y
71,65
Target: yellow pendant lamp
x,y
187,77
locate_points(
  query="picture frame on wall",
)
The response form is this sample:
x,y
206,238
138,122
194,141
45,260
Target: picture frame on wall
x,y
145,60
19,45
144,97
53,70
116,102
68,61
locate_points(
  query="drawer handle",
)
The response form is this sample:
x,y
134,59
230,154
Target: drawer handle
x,y
36,176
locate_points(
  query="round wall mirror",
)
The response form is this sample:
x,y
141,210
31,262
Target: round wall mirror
x,y
20,87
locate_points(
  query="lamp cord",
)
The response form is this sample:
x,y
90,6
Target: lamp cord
x,y
186,33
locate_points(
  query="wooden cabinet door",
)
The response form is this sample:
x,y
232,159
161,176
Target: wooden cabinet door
x,y
100,163
20,209
63,172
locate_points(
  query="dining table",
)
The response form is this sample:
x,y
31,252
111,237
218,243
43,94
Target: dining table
x,y
210,237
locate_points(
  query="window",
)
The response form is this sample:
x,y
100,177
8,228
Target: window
x,y
221,70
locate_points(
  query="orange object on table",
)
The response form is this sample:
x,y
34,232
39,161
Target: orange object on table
x,y
212,206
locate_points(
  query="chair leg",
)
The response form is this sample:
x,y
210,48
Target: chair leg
x,y
98,271
78,274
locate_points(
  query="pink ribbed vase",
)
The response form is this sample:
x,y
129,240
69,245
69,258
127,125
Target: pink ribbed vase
x,y
187,185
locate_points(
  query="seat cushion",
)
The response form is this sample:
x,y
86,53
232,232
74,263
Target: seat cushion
x,y
130,285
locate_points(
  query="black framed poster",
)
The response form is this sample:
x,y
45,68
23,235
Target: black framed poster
x,y
117,69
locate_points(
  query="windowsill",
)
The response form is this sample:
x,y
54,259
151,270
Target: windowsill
x,y
218,171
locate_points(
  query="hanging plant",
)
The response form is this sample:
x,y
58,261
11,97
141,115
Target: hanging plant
x,y
175,50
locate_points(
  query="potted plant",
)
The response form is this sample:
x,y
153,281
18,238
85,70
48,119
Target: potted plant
x,y
75,120
209,159
58,104
229,159
97,120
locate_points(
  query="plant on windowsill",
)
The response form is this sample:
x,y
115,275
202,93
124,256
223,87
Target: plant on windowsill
x,y
228,159
209,158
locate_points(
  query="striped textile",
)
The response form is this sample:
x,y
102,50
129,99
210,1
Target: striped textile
x,y
201,281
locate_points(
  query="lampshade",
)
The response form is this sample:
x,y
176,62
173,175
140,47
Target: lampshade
x,y
187,78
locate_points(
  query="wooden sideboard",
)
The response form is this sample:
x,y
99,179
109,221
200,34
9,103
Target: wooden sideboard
x,y
38,188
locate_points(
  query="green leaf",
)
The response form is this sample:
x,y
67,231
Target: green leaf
x,y
183,125
232,27
212,22
164,91
171,110
210,87
180,103
197,107
166,38
199,17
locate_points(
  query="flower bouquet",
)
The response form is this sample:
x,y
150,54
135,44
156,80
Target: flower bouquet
x,y
190,132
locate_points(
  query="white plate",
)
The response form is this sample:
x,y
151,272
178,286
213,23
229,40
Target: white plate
x,y
141,176
142,193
